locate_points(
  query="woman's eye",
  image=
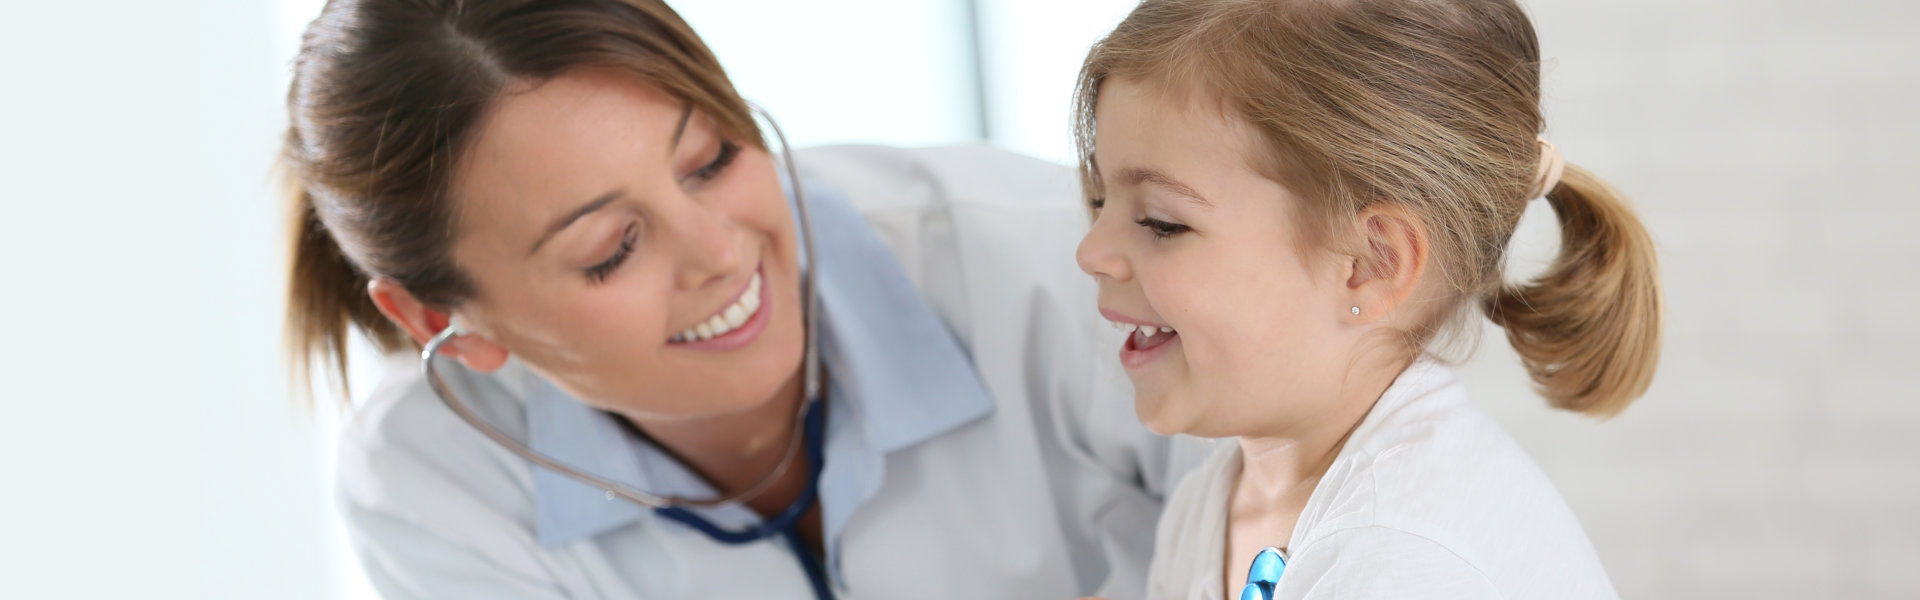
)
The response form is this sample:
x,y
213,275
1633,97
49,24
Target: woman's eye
x,y
728,151
600,272
1162,229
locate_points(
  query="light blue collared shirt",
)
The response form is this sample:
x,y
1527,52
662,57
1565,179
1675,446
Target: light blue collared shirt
x,y
898,377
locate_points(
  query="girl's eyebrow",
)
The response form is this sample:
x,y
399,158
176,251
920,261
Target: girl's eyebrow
x,y
1133,176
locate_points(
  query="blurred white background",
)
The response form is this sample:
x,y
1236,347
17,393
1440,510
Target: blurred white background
x,y
153,449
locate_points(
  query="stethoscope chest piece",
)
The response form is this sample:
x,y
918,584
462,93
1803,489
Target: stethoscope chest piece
x,y
1264,576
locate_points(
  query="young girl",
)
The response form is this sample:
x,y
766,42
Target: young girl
x,y
1294,200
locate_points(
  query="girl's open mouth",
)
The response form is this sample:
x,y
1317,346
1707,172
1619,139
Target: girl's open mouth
x,y
1145,343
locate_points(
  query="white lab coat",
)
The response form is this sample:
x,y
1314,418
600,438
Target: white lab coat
x,y
1052,496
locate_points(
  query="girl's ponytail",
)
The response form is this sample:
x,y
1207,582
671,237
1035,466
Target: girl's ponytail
x,y
1588,329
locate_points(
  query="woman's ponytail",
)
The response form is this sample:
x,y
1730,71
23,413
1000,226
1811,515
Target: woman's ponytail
x,y
326,295
1588,329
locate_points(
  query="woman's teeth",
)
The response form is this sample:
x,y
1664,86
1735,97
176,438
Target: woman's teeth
x,y
728,319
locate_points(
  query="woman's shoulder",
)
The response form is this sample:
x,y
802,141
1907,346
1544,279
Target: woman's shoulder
x,y
881,179
987,236
404,453
976,207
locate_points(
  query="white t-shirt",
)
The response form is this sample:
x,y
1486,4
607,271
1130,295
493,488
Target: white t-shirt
x,y
1428,499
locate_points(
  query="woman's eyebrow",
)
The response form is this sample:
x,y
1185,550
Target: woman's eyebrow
x,y
686,114
1134,176
568,219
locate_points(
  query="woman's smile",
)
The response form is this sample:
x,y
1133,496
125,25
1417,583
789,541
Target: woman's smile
x,y
732,327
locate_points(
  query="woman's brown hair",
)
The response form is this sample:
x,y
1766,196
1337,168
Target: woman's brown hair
x,y
1433,105
387,94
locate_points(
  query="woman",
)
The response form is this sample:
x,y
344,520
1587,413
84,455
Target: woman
x,y
577,185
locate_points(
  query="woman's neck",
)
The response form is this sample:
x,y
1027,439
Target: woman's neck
x,y
733,452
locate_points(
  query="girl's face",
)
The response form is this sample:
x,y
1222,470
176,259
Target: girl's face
x,y
1190,237
627,250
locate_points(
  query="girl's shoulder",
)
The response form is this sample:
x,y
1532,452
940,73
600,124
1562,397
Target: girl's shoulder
x,y
1429,472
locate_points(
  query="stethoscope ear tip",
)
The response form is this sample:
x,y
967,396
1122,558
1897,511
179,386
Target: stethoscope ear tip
x,y
454,327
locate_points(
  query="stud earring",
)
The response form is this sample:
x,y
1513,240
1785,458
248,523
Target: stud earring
x,y
1356,311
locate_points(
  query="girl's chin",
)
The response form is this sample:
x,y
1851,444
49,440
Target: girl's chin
x,y
1153,413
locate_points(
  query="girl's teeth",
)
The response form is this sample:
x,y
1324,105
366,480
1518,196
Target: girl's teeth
x,y
1145,330
1144,334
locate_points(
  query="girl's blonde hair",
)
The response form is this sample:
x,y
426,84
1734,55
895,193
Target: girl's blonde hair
x,y
1433,105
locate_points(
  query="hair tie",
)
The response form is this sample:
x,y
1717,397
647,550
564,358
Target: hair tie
x,y
1552,165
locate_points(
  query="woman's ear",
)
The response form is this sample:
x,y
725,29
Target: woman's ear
x,y
422,323
1389,262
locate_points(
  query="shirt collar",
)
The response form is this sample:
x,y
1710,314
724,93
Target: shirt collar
x,y
905,377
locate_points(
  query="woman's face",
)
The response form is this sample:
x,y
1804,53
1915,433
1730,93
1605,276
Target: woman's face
x,y
627,250
1191,237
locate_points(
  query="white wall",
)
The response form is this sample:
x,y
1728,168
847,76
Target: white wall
x,y
149,450
1769,144
847,71
152,451
1033,52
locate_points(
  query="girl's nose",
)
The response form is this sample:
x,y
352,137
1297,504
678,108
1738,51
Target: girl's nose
x,y
1099,254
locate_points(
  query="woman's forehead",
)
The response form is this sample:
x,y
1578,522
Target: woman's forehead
x,y
572,139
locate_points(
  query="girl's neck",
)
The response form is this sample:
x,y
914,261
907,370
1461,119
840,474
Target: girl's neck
x,y
1280,466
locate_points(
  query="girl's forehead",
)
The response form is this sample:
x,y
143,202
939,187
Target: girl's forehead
x,y
1137,124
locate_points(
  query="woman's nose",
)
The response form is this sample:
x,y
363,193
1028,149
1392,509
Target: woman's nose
x,y
711,245
1099,255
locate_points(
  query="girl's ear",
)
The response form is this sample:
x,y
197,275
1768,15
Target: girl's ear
x,y
422,323
1388,265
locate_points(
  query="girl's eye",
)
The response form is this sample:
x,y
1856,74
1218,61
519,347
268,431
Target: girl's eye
x,y
1162,229
600,272
728,151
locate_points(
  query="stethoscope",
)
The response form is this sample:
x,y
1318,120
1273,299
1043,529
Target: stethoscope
x,y
809,427
1263,576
